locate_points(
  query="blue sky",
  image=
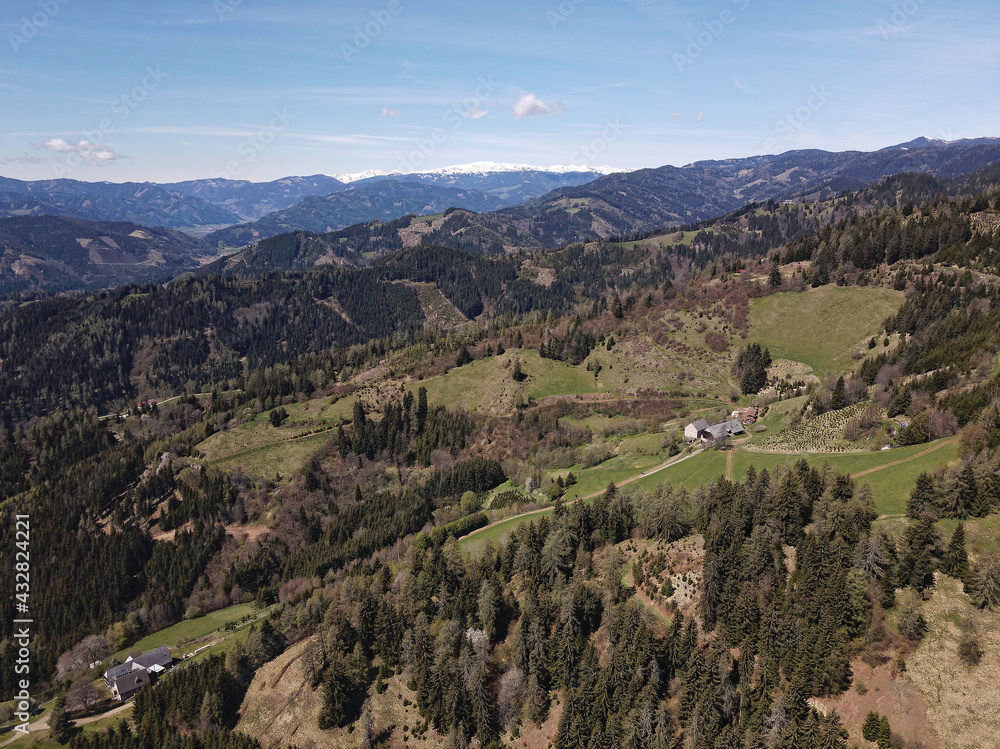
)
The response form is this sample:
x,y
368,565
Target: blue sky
x,y
251,89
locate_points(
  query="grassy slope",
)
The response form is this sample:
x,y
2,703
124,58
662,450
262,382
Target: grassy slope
x,y
487,381
891,485
264,450
961,701
821,327
185,632
281,459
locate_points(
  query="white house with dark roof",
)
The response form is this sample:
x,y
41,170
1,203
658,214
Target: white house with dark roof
x,y
692,430
701,429
721,431
123,681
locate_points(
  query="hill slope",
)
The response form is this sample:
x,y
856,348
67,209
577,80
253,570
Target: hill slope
x,y
54,253
252,200
142,203
381,200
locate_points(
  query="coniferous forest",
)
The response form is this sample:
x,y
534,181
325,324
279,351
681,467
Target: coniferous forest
x,y
440,483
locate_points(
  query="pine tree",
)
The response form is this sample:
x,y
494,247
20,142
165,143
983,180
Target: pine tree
x,y
774,277
956,558
923,497
420,417
872,725
837,398
60,729
884,736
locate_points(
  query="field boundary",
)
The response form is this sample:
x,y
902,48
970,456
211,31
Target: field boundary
x,y
644,474
938,446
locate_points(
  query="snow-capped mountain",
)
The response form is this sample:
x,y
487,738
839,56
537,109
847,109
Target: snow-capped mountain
x,y
481,168
511,183
348,178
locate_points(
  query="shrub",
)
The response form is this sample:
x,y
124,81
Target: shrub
x,y
596,454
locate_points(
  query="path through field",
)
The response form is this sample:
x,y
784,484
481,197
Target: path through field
x,y
668,464
905,460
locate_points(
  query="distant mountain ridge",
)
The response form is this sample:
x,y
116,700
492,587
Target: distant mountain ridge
x,y
252,200
383,200
623,203
551,222
56,253
528,205
143,203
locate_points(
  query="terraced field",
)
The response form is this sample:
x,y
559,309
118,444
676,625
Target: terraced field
x,y
825,434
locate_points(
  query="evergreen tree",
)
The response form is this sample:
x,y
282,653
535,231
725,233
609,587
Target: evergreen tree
x,y
923,497
837,398
956,558
871,727
60,728
774,277
420,416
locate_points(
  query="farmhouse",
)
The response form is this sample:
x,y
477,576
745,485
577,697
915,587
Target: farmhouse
x,y
701,429
721,431
123,681
692,430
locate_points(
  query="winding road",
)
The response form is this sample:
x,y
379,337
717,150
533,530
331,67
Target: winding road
x,y
668,464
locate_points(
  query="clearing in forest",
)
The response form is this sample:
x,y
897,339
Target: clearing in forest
x,y
821,327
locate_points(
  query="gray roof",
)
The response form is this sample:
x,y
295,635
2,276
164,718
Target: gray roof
x,y
157,658
718,431
699,425
131,681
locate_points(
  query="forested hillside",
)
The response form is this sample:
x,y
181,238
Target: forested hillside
x,y
447,497
383,200
50,253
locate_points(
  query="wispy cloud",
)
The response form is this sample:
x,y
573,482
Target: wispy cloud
x,y
475,113
205,130
21,160
529,104
351,139
387,112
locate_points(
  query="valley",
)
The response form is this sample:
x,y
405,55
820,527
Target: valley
x,y
427,478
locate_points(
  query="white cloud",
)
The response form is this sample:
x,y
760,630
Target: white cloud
x,y
698,116
475,113
84,149
738,83
529,104
677,115
386,112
